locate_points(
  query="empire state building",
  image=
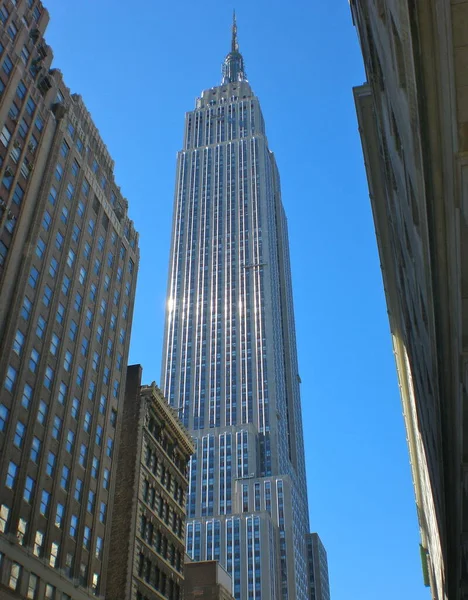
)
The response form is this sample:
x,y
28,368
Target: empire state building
x,y
229,360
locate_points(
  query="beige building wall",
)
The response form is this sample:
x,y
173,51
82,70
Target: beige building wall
x,y
413,120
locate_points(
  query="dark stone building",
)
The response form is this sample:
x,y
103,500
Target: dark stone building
x,y
207,580
148,528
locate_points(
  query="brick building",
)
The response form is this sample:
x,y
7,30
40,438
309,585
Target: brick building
x,y
148,528
68,267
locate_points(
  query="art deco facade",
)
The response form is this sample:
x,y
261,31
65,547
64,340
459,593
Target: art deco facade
x,y
148,526
230,364
413,119
318,568
68,266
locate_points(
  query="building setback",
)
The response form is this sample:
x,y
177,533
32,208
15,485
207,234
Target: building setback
x,y
413,120
206,580
318,568
147,540
229,358
68,268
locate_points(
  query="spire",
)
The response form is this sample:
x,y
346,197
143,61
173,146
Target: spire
x,y
234,44
233,66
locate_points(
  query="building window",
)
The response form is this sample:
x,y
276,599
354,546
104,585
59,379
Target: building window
x,y
87,422
84,346
91,501
83,455
50,467
91,390
99,432
65,478
38,541
47,298
102,512
95,466
40,248
59,515
42,412
15,574
10,378
4,516
109,447
99,546
26,308
95,584
54,550
57,427
70,441
33,277
41,326
18,342
73,330
75,408
79,376
86,537
78,490
67,361
3,252
32,587
76,233
62,392
73,526
5,136
4,14
46,221
4,413
65,285
34,360
49,592
54,344
19,434
106,479
21,531
60,313
45,502
35,449
29,489
48,377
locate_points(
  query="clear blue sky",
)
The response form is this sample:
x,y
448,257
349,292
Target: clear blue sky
x,y
139,66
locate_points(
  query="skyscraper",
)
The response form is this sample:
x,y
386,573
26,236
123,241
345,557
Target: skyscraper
x,y
68,266
229,360
318,568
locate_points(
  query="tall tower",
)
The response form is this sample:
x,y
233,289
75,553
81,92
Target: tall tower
x,y
230,363
68,268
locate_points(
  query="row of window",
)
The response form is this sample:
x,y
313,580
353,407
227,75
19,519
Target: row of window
x,y
161,544
156,578
31,587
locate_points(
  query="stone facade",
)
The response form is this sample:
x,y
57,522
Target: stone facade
x,y
413,120
68,267
148,528
318,568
